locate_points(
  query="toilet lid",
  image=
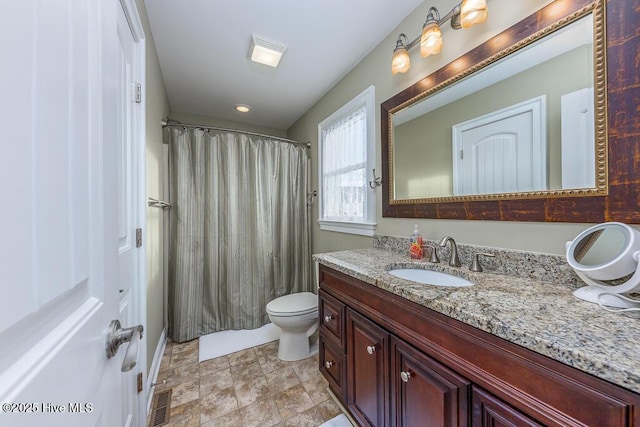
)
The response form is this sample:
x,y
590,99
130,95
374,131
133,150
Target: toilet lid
x,y
298,303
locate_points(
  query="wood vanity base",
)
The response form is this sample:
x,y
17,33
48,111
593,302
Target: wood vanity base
x,y
393,362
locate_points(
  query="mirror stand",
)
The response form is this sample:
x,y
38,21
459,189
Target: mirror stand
x,y
607,258
611,296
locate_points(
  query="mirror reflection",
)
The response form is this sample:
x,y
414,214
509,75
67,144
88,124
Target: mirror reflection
x,y
522,124
601,246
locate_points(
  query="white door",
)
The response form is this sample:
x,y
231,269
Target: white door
x,y
578,139
501,152
60,224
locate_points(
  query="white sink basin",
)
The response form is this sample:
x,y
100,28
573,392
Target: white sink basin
x,y
429,277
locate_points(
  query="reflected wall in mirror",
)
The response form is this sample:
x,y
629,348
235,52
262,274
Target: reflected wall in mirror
x,y
524,123
601,246
584,177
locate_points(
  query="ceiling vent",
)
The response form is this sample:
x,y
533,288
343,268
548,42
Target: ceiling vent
x,y
265,51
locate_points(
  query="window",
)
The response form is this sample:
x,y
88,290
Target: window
x,y
346,154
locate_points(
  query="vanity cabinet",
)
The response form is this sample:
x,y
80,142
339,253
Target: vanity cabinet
x,y
398,363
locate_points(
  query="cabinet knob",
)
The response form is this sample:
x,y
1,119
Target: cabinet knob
x,y
405,376
328,318
328,364
371,349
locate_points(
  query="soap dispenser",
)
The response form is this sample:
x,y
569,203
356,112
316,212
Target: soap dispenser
x,y
416,244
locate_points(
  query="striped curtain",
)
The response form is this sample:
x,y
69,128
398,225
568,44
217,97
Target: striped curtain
x,y
239,229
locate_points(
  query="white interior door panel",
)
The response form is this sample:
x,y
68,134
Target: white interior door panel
x,y
59,222
502,152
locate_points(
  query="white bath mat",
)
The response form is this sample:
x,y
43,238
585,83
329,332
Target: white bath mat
x,y
227,342
339,421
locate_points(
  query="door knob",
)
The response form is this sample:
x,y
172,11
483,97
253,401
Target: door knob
x,y
328,319
371,349
405,376
117,336
328,364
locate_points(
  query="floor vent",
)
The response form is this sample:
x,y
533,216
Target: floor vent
x,y
160,409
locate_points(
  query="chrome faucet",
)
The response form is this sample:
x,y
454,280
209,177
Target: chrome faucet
x,y
454,261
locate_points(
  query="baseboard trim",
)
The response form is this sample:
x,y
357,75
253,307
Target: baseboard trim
x,y
155,367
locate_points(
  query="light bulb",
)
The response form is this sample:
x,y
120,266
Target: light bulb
x,y
431,40
401,61
472,12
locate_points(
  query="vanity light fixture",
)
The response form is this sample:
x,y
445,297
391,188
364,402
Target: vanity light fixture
x,y
463,15
265,52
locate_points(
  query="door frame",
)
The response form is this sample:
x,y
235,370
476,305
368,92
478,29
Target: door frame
x,y
139,300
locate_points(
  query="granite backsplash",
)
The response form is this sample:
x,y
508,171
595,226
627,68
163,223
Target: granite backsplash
x,y
528,265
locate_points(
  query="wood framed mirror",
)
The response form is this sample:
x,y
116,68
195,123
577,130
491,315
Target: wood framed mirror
x,y
611,192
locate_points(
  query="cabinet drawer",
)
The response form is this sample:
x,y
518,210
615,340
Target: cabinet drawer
x,y
488,410
332,364
331,316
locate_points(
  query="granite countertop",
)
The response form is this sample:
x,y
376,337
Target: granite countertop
x,y
540,315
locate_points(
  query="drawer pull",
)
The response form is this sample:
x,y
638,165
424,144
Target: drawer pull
x,y
328,364
328,319
371,349
405,376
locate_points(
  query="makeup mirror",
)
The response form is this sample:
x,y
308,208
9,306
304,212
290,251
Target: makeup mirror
x,y
606,257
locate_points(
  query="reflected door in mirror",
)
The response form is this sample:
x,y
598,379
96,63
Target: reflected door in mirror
x,y
502,152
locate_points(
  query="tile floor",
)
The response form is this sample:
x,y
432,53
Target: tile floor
x,y
249,388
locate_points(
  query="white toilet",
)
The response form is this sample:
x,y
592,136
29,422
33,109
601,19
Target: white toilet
x,y
297,317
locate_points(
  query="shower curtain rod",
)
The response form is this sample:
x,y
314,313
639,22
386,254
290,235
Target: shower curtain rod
x,y
166,123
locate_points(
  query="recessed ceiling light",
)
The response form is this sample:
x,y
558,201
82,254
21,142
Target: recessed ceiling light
x,y
243,108
265,52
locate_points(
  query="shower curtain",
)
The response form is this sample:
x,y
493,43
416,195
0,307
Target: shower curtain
x,y
239,229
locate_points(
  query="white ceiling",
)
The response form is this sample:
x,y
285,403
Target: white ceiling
x,y
203,50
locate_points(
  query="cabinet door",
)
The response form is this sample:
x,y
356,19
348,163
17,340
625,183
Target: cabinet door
x,y
367,364
489,411
425,392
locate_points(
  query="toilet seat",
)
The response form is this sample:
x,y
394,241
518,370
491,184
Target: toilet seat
x,y
297,304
